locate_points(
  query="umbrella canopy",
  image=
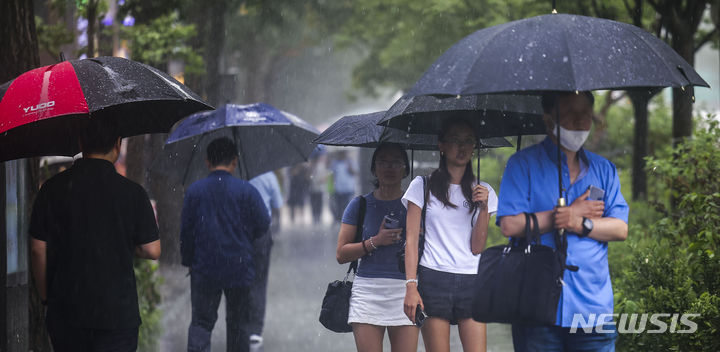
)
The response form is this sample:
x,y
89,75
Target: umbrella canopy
x,y
363,131
556,52
42,110
490,115
267,139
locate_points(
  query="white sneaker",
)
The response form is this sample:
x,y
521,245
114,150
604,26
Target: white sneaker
x,y
256,342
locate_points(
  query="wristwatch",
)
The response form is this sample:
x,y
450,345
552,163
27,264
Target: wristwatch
x,y
587,227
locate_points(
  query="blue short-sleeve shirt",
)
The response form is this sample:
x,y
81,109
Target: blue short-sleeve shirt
x,y
530,184
383,262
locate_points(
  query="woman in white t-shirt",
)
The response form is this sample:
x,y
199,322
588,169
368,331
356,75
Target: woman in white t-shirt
x,y
456,225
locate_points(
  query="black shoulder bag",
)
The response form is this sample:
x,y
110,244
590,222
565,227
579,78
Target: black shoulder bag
x,y
336,303
521,282
421,240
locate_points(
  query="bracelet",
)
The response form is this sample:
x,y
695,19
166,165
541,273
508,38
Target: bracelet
x,y
411,281
373,244
365,248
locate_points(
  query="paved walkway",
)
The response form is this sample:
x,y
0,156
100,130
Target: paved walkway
x,y
302,264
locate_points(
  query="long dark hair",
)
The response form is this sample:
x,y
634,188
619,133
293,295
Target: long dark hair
x,y
440,178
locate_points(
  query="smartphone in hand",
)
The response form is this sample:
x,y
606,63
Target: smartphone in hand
x,y
596,193
420,316
391,223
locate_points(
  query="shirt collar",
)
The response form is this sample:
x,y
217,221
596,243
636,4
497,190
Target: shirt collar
x,y
551,150
101,164
219,173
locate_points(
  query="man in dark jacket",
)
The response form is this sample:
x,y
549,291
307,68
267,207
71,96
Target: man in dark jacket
x,y
87,223
221,217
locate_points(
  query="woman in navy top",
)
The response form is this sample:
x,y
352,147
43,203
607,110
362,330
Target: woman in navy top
x,y
378,291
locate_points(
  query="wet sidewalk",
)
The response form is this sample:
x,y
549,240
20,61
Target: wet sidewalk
x,y
302,264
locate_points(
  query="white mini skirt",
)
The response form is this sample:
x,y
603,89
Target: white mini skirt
x,y
378,301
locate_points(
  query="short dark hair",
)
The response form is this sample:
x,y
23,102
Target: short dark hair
x,y
548,99
221,151
98,136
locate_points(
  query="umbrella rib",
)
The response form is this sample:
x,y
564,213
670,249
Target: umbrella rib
x,y
665,63
192,155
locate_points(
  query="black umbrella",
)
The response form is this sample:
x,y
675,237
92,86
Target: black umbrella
x,y
363,131
556,52
42,110
491,115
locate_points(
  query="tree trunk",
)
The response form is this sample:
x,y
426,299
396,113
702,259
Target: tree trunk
x,y
640,100
91,27
18,39
682,99
20,53
214,38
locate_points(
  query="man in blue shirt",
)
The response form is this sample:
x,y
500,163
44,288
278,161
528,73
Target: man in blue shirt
x,y
343,183
529,184
221,217
269,189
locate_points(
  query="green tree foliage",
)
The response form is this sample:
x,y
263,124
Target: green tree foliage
x,y
672,265
52,36
162,39
148,302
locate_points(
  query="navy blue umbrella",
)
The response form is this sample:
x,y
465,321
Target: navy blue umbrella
x,y
363,131
267,139
556,52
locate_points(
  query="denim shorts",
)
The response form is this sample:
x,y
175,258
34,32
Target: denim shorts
x,y
446,295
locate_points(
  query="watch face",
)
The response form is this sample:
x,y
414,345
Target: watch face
x,y
587,226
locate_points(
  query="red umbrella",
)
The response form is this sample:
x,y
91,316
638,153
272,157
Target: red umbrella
x,y
42,110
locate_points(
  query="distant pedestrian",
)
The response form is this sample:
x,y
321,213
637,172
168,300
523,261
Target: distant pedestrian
x,y
222,216
269,188
456,228
343,173
378,290
318,184
299,189
87,224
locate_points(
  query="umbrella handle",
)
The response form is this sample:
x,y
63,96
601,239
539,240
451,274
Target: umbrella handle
x,y
561,203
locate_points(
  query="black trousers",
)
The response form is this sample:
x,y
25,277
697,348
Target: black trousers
x,y
68,338
205,301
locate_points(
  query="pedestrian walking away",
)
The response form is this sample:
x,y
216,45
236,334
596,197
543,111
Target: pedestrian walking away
x,y
87,224
221,218
457,213
269,189
343,172
379,287
597,214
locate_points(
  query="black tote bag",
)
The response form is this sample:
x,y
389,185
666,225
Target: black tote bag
x,y
520,282
336,303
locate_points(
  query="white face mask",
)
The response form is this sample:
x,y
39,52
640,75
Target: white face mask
x,y
572,140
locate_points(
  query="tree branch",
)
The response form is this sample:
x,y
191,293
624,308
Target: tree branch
x,y
706,38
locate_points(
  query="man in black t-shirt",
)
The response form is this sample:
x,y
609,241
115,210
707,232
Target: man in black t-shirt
x,y
87,224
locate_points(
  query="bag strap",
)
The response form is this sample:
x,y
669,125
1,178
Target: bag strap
x,y
426,191
358,232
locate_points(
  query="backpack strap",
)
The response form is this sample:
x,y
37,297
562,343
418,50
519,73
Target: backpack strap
x,y
358,231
